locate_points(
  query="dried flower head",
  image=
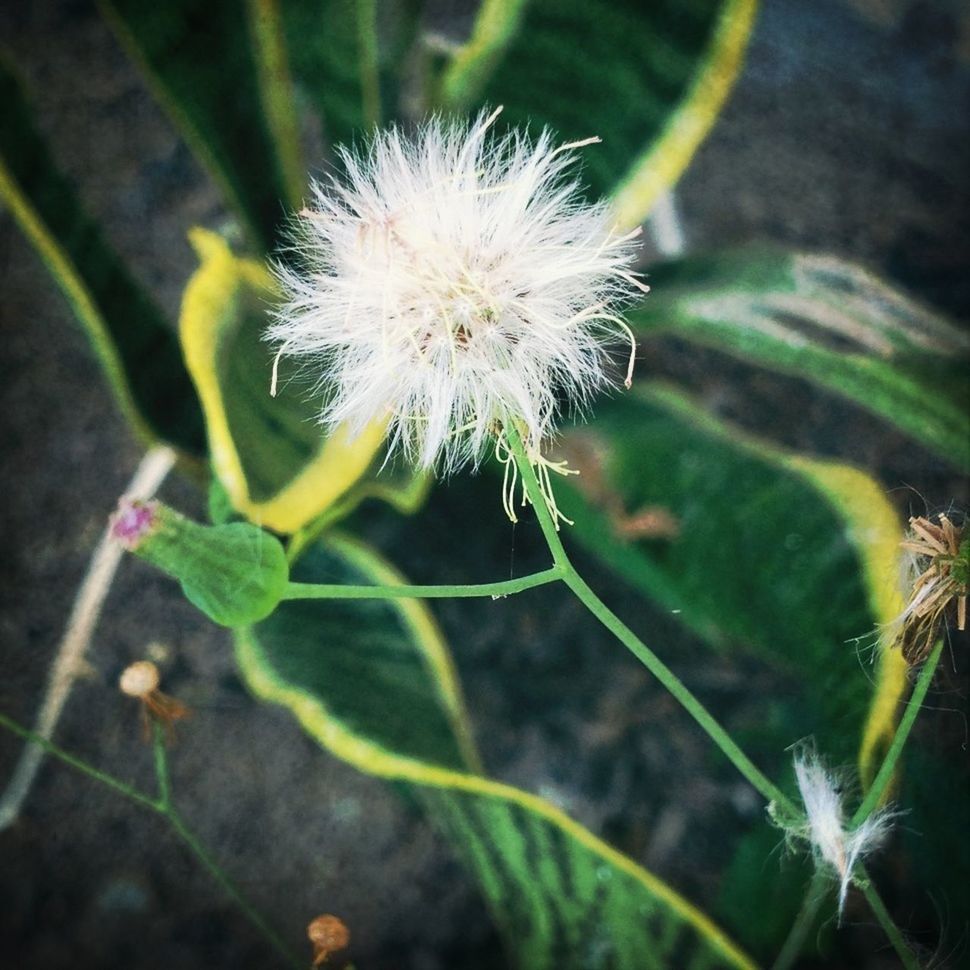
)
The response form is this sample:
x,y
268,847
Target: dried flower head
x,y
454,282
939,574
825,829
328,934
141,680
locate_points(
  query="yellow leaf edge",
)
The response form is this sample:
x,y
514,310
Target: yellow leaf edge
x,y
665,159
372,759
876,532
341,461
78,296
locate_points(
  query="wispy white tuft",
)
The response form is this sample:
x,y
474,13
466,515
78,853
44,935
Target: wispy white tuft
x,y
454,281
831,843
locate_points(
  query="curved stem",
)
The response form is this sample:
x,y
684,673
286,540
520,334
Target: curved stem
x,y
633,643
311,591
887,769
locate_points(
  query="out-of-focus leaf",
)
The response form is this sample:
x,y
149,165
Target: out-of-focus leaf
x,y
372,681
220,70
275,463
136,348
649,79
791,559
829,322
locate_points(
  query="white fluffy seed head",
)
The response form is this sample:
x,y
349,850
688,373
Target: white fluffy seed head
x,y
453,281
831,843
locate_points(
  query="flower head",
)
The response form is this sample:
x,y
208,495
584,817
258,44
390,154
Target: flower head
x,y
938,578
452,282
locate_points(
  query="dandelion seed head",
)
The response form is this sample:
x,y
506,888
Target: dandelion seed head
x,y
453,281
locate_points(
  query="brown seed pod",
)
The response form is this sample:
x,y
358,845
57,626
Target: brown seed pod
x,y
328,934
941,567
140,680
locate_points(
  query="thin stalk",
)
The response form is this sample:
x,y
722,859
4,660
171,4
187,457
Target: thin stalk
x,y
197,849
878,907
887,769
794,943
323,591
82,766
634,644
368,58
163,806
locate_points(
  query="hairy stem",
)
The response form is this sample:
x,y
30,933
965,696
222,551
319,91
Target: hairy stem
x,y
633,643
151,472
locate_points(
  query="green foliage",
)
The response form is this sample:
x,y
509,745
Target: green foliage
x,y
649,79
134,345
372,681
826,321
276,466
217,69
747,573
236,573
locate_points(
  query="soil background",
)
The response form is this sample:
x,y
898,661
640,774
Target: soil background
x,y
847,134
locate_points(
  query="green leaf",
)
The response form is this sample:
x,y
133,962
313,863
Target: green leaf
x,y
220,70
346,67
792,560
136,348
275,463
649,79
828,322
236,574
372,681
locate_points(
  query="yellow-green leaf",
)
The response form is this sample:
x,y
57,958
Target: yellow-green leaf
x,y
133,343
372,681
277,466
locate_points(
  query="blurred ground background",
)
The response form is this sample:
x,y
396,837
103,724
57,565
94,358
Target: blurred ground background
x,y
847,134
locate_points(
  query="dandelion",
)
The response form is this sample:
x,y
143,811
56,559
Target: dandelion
x,y
455,282
141,680
939,574
825,829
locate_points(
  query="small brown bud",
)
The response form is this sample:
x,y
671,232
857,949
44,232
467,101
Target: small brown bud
x,y
328,934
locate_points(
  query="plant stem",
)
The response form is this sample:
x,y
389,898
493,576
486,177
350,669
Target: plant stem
x,y
193,844
633,643
163,806
794,943
69,659
308,591
887,769
878,907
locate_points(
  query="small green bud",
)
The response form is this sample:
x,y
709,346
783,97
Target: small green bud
x,y
234,573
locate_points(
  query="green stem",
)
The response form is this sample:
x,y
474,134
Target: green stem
x,y
163,806
245,907
82,766
311,591
878,907
633,643
794,943
887,769
161,768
